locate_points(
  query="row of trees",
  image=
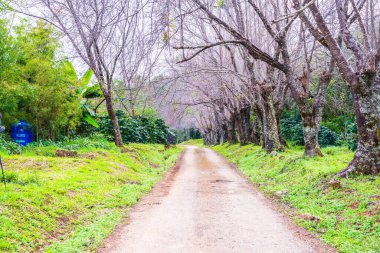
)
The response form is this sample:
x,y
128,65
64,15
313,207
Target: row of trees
x,y
116,39
243,60
236,62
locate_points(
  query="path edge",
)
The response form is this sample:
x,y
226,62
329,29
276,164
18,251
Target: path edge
x,y
287,213
109,242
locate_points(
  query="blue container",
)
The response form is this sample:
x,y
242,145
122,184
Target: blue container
x,y
22,133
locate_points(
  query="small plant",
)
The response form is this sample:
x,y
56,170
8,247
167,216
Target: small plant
x,y
11,177
10,147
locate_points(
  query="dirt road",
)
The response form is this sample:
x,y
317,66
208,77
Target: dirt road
x,y
204,205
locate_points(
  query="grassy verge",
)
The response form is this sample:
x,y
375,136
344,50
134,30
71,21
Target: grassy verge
x,y
55,204
345,214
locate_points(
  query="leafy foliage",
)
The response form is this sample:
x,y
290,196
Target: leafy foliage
x,y
137,129
9,146
326,137
36,85
220,3
291,130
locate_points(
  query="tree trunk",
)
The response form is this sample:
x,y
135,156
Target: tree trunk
x,y
311,110
278,118
244,125
114,121
221,137
225,133
206,138
365,94
310,128
270,131
256,131
231,131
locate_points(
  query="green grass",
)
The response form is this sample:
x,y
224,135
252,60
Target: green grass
x,y
54,204
349,215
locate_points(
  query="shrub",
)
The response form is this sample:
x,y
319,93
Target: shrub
x,y
137,129
11,177
10,147
292,131
327,137
13,148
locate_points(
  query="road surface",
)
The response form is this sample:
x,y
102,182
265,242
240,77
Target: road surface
x,y
205,205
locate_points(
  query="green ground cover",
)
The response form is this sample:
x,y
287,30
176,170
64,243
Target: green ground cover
x,y
70,204
345,214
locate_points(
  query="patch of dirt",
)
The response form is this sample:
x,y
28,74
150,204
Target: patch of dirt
x,y
310,217
89,155
355,205
71,194
66,153
335,184
127,150
373,211
25,163
48,199
153,165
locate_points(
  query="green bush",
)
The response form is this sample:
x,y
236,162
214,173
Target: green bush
x,y
292,130
327,137
10,147
13,148
137,129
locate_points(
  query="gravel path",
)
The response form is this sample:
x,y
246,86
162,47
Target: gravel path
x,y
205,205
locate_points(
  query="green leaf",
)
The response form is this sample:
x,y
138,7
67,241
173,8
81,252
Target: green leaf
x,y
70,70
90,120
89,110
91,92
86,78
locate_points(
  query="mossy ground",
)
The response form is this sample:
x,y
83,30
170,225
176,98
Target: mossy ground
x,y
348,211
54,204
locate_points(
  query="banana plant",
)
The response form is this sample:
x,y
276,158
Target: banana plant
x,y
88,91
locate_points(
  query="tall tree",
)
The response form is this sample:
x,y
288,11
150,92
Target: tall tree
x,y
362,75
100,32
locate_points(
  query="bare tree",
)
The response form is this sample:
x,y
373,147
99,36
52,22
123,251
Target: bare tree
x,y
140,57
362,74
99,31
253,34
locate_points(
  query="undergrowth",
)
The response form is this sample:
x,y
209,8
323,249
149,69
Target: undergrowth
x,y
55,204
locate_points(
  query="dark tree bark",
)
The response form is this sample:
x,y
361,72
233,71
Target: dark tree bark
x,y
310,128
231,131
224,132
256,131
271,133
311,109
367,155
114,121
244,125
